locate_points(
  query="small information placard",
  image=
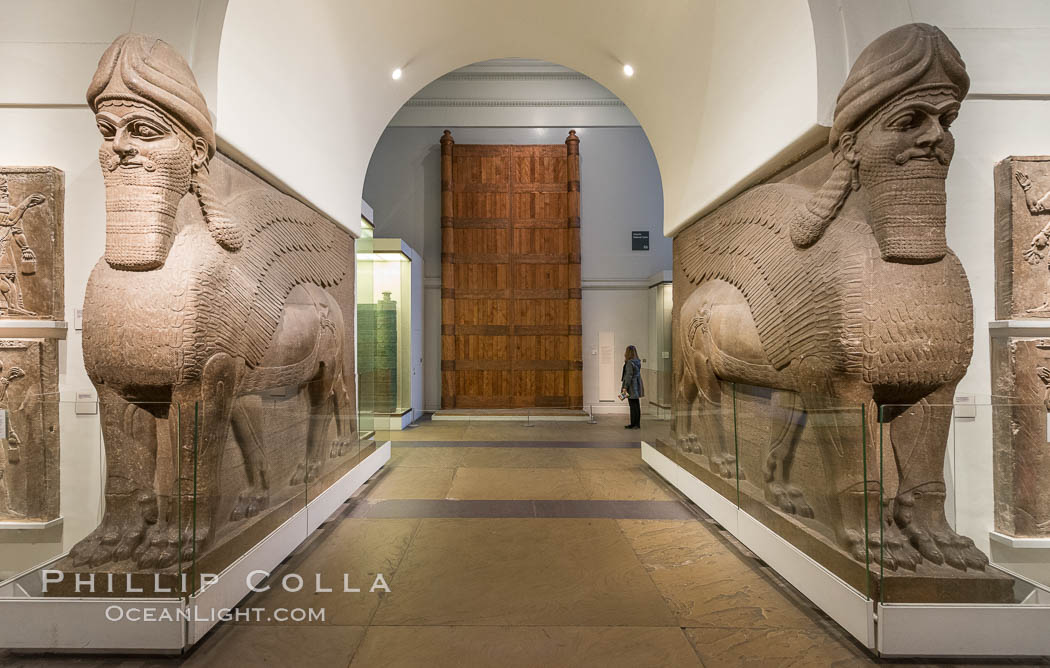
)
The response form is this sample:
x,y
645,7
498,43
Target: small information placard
x,y
640,240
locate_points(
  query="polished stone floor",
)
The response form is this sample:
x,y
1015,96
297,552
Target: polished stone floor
x,y
506,545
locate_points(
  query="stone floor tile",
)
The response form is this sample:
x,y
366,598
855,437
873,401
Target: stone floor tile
x,y
524,647
552,572
606,458
434,458
670,543
411,483
626,485
525,483
775,648
516,458
355,548
721,591
290,645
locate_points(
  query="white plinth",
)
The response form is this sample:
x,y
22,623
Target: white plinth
x,y
30,525
35,623
36,329
1027,327
1020,542
851,609
904,629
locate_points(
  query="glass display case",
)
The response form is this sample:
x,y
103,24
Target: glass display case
x,y
385,334
832,498
656,371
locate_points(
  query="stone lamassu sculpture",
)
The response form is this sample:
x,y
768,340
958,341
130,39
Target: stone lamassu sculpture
x,y
208,295
836,289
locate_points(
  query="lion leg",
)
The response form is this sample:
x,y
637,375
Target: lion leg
x,y
919,440
843,415
319,394
345,419
784,430
203,412
129,435
246,421
721,451
686,404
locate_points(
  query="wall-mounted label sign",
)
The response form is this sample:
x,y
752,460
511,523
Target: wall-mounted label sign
x,y
640,240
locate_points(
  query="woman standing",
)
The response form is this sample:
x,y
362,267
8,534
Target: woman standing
x,y
631,385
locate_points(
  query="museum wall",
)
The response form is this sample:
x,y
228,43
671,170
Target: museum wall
x,y
620,192
339,55
49,54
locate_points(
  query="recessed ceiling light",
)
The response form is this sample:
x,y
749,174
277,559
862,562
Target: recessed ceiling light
x,y
628,70
396,74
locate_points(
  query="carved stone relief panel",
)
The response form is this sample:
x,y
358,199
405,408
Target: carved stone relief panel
x,y
218,332
29,483
31,263
1022,227
823,313
1021,373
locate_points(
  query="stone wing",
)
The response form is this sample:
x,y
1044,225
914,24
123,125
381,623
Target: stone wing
x,y
795,295
286,244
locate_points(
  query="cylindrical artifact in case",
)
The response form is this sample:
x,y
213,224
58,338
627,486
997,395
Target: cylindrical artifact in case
x,y
386,355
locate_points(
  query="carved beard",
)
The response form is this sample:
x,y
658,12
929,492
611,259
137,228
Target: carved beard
x,y
141,202
907,204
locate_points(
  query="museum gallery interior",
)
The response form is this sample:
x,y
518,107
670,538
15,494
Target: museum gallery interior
x,y
603,333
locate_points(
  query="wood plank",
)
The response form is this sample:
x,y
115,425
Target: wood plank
x,y
510,275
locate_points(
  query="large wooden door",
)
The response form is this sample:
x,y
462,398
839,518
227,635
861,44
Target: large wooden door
x,y
510,276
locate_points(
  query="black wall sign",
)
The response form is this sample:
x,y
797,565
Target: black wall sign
x,y
640,240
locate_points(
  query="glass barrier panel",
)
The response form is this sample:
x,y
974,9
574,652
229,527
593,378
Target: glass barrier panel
x,y
704,438
800,466
95,498
334,446
1000,499
33,529
960,514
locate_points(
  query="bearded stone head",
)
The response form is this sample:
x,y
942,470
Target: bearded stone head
x,y
157,139
891,138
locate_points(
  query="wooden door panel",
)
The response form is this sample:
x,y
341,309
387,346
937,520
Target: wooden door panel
x,y
532,205
482,206
510,275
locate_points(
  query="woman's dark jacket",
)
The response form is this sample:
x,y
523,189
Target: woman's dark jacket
x,y
631,378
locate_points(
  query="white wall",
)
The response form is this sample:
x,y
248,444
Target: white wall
x,y
620,192
322,75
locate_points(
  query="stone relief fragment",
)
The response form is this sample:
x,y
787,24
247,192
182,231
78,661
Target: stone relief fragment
x,y
1021,373
218,330
29,488
31,245
1022,229
834,297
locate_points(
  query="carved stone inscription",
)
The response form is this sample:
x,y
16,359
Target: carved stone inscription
x,y
31,277
1021,369
1022,230
29,488
835,294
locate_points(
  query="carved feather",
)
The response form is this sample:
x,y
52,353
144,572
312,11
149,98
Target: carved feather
x,y
287,244
800,298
